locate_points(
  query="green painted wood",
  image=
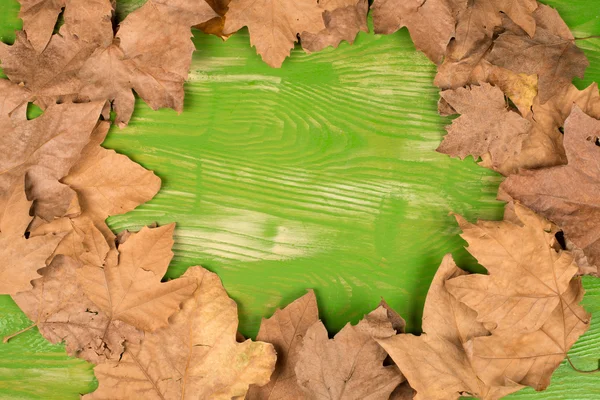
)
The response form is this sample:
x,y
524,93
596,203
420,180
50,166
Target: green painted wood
x,y
321,174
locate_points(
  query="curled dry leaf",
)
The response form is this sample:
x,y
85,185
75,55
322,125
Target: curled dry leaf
x,y
215,25
42,151
530,358
436,363
128,286
274,24
20,258
62,313
568,195
195,357
343,19
430,22
551,54
285,331
486,127
527,277
349,366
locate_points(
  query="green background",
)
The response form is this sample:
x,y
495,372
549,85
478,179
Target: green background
x,y
321,174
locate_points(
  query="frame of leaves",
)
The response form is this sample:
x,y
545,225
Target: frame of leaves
x,y
505,66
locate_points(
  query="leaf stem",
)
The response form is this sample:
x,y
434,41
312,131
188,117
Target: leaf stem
x,y
588,37
579,370
7,338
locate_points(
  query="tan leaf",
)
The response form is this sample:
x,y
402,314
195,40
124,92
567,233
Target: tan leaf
x,y
344,19
436,364
62,313
128,286
39,18
527,277
108,183
349,366
215,25
42,151
555,59
398,323
20,258
274,24
51,74
568,195
520,88
430,23
485,126
285,331
153,62
530,358
195,357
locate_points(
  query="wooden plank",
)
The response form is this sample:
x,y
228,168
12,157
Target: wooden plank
x,y
321,174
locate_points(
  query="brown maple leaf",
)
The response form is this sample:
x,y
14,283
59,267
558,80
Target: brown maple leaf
x,y
530,358
215,25
39,18
551,54
486,126
527,277
85,62
42,151
343,19
62,313
274,24
13,101
436,364
128,286
350,365
195,357
568,195
431,23
20,258
285,331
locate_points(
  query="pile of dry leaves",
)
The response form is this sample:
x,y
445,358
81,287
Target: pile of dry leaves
x,y
505,66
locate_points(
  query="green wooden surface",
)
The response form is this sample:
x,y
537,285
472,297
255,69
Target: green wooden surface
x,y
319,175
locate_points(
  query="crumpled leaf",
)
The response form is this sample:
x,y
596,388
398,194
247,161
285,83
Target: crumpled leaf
x,y
486,126
20,258
568,195
431,23
551,54
128,286
62,313
343,19
349,366
195,357
530,358
285,331
42,151
436,364
527,277
274,24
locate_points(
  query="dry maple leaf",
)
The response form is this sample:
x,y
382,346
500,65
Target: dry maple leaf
x,y
343,19
486,126
108,183
215,25
84,62
128,287
285,330
431,23
62,313
349,366
527,277
39,18
568,195
530,358
13,101
195,357
20,258
551,54
274,24
42,151
436,364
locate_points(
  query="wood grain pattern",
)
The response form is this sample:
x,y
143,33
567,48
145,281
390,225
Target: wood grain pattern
x,y
321,174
